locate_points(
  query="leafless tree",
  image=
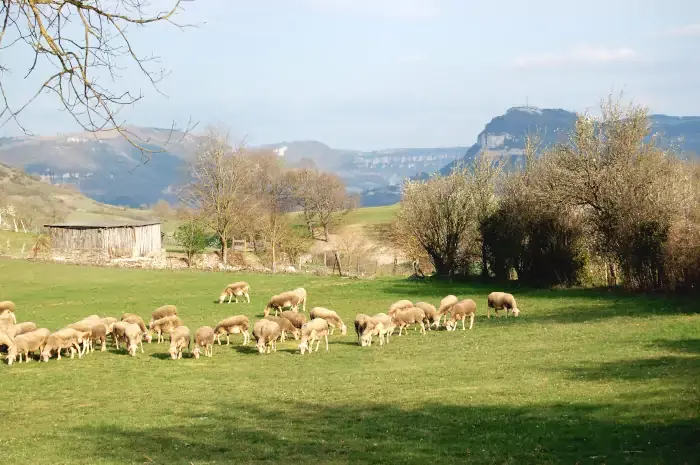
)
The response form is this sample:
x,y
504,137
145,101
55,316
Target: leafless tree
x,y
222,190
85,45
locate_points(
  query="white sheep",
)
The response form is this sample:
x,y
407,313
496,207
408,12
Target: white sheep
x,y
135,319
312,331
331,317
162,312
446,304
459,312
7,314
134,337
26,343
297,319
204,338
399,305
66,338
409,316
266,333
361,322
501,300
431,314
20,328
381,325
286,326
237,324
301,298
281,301
235,290
164,325
98,332
179,339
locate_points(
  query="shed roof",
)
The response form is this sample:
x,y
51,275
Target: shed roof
x,y
101,224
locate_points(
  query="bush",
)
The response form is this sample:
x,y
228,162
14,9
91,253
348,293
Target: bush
x,y
193,239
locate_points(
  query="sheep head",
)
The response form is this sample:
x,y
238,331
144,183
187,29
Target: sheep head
x,y
132,349
366,338
148,337
196,352
45,354
173,353
343,329
304,346
260,345
296,333
516,312
11,354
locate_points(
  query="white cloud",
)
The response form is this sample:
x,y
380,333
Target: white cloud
x,y
385,9
582,55
689,30
413,58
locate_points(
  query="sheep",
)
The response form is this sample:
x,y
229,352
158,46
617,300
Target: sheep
x,y
286,326
237,324
162,312
432,315
459,311
281,301
361,322
98,332
134,337
446,304
381,325
164,325
21,328
5,339
84,328
109,323
137,320
297,319
399,305
266,333
300,292
119,332
501,300
236,290
312,331
66,338
409,316
26,343
7,314
179,339
7,305
331,317
204,338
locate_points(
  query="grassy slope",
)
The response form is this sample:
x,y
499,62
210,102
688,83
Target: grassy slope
x,y
581,377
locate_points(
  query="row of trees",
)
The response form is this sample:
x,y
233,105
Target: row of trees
x,y
238,192
608,205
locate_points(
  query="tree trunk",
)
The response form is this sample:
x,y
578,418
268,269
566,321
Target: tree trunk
x,y
484,263
274,265
325,232
224,248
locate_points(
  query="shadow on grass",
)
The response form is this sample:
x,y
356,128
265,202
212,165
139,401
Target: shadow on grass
x,y
675,369
311,433
691,346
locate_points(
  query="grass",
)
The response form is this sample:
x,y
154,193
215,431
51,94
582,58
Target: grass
x,y
372,215
581,377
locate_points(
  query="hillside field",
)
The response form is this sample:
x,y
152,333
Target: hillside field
x,y
588,377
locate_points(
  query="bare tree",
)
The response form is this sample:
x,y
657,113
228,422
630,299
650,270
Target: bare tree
x,y
85,44
221,188
323,200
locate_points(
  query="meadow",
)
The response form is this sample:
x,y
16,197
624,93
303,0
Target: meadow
x,y
582,376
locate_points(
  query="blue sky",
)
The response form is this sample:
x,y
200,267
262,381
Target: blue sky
x,y
370,74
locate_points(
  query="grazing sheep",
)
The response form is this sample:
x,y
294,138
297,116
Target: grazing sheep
x,y
312,331
119,332
7,314
399,305
300,292
137,320
446,304
501,300
164,325
431,314
331,317
286,326
179,339
84,328
162,312
7,305
109,323
204,338
361,322
409,316
66,338
237,324
5,339
134,337
297,319
236,290
26,343
459,311
281,301
381,325
266,333
21,328
98,332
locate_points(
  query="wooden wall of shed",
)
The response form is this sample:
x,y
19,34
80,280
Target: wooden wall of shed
x,y
116,242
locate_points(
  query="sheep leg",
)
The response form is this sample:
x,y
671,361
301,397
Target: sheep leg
x,y
141,344
422,328
228,338
471,321
488,312
235,297
282,336
463,319
229,298
326,343
59,355
247,297
332,329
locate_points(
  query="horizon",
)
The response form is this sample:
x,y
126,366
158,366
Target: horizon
x,y
388,73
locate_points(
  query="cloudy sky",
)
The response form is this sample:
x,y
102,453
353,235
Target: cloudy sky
x,y
370,74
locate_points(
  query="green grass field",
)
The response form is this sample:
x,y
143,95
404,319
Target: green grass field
x,y
580,377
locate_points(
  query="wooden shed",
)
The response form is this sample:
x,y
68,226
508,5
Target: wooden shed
x,y
113,240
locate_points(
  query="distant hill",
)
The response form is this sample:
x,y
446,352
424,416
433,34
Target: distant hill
x,y
111,170
37,203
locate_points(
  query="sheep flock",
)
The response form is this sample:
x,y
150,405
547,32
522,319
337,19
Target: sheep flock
x,y
26,340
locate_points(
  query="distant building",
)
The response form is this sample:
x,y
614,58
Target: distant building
x,y
106,240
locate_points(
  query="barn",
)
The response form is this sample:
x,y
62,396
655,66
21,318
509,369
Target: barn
x,y
106,240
